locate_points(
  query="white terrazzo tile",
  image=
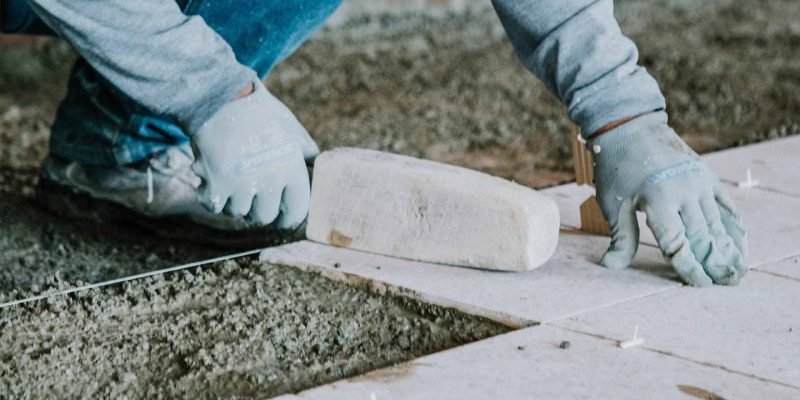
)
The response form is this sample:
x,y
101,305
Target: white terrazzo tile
x,y
772,221
570,283
529,364
753,328
774,164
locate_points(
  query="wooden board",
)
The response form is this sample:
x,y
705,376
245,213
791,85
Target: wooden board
x,y
592,220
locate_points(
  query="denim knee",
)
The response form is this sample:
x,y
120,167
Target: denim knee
x,y
263,32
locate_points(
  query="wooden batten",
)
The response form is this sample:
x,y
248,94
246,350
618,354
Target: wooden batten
x,y
592,220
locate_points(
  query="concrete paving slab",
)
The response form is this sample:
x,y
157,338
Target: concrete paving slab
x,y
570,283
789,268
773,164
753,328
772,221
530,364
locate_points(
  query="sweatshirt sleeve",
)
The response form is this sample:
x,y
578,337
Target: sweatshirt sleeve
x,y
578,50
170,63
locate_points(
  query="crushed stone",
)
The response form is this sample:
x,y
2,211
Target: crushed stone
x,y
238,329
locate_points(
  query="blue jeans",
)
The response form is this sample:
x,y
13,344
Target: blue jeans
x,y
99,125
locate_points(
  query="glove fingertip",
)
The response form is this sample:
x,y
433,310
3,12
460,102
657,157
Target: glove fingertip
x,y
730,280
700,282
310,150
624,237
211,201
738,271
238,206
307,145
617,259
265,210
291,220
692,273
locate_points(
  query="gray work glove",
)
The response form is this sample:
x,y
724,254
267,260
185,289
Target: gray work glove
x,y
643,165
251,157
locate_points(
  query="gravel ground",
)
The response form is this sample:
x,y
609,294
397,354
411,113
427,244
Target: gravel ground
x,y
238,329
448,89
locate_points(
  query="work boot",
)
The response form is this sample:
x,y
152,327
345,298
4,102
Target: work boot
x,y
159,193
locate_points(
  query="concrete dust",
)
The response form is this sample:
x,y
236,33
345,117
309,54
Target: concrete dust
x,y
237,329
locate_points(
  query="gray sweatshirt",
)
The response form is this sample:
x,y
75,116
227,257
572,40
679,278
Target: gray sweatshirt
x,y
176,65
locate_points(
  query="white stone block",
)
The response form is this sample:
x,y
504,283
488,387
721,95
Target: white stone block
x,y
426,211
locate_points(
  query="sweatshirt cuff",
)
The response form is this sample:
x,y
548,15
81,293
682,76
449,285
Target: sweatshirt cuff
x,y
616,99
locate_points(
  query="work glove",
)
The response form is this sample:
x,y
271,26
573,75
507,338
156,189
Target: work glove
x,y
251,157
643,165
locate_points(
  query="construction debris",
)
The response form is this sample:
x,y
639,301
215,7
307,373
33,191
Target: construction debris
x,y
636,341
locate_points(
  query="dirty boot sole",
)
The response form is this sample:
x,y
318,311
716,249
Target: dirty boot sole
x,y
72,204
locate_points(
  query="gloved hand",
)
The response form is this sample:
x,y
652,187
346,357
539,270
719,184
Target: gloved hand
x,y
251,157
643,165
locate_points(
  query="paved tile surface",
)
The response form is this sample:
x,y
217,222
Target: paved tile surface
x,y
529,364
773,163
739,342
753,328
772,221
571,282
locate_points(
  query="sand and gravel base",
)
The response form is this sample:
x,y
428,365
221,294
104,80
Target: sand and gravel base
x,y
231,330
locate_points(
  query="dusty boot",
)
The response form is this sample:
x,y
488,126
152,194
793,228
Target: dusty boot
x,y
158,193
